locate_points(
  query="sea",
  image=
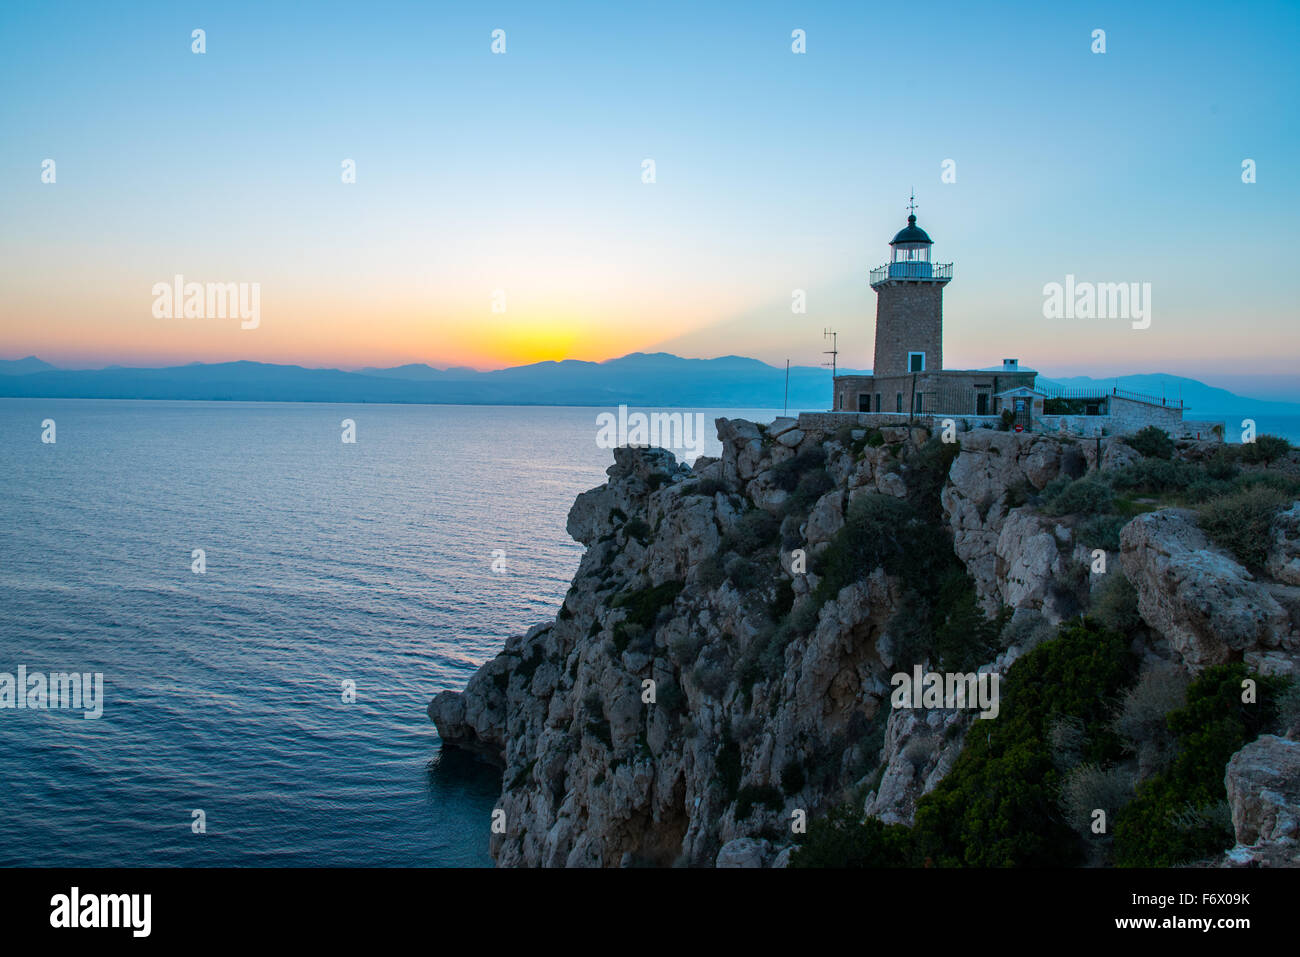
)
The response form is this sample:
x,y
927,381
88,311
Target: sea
x,y
271,609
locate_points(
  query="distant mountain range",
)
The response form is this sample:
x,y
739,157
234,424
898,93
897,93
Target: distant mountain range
x,y
639,379
635,380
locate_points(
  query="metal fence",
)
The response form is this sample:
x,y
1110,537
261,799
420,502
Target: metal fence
x,y
1099,393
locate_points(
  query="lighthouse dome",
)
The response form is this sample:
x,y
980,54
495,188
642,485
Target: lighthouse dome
x,y
912,233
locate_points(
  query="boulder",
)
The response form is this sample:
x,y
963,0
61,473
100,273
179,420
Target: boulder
x,y
1283,561
1209,608
744,852
1263,783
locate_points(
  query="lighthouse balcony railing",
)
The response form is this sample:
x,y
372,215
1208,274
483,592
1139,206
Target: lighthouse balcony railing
x,y
914,271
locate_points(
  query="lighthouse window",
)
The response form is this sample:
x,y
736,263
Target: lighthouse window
x,y
916,362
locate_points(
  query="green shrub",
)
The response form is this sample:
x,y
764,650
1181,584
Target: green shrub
x,y
1154,476
1204,489
1059,406
813,484
792,778
876,532
1221,467
670,697
1152,442
706,486
998,805
804,616
1264,449
711,572
964,639
754,531
1101,531
638,529
1274,480
925,475
1240,522
728,766
1115,603
843,839
1156,829
1026,629
1140,718
742,573
1089,787
1079,497
911,631
786,474
712,674
643,608
750,796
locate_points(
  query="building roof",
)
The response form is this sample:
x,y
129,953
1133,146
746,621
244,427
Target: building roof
x,y
912,233
1020,390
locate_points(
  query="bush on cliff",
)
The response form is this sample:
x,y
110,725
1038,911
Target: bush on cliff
x,y
999,804
1173,821
1115,603
878,531
1154,476
786,474
1240,522
1101,531
812,486
753,532
643,608
1152,442
1264,449
1078,497
908,538
840,839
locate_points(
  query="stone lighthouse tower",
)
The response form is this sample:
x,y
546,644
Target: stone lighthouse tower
x,y
909,305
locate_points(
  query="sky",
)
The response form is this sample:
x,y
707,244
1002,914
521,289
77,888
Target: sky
x,y
515,179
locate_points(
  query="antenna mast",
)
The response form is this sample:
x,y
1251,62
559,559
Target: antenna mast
x,y
833,351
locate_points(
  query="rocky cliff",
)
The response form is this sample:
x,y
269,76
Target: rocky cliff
x,y
722,662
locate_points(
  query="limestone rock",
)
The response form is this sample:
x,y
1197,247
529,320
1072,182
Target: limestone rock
x,y
595,775
1263,783
744,852
1283,562
1208,606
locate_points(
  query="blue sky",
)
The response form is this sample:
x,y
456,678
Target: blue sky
x,y
522,173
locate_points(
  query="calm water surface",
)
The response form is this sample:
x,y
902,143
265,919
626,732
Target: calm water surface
x,y
326,563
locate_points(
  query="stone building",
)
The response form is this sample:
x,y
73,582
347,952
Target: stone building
x,y
908,376
908,380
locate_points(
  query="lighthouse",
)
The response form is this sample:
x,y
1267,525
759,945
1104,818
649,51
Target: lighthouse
x,y
908,377
908,383
909,305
